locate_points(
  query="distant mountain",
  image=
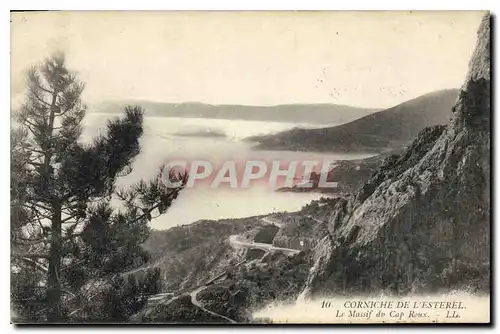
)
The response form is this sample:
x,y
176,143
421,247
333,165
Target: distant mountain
x,y
303,113
388,129
207,133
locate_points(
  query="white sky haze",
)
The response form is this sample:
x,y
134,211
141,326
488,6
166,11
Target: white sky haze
x,y
369,59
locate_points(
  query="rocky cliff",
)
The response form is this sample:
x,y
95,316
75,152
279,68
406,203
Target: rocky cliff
x,y
422,223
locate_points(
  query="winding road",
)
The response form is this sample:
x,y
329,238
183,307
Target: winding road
x,y
271,221
238,240
197,303
315,219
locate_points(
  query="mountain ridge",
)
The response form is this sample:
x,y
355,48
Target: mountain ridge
x,y
319,113
388,129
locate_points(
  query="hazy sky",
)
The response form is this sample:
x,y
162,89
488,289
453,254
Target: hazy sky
x,y
372,59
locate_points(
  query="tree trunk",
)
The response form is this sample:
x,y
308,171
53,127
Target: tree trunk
x,y
54,284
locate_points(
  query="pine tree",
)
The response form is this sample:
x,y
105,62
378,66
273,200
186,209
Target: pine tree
x,y
66,223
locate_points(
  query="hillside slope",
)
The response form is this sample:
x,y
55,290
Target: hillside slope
x,y
391,128
422,224
302,113
190,254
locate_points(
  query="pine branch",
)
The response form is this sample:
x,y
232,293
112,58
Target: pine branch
x,y
30,255
28,241
44,89
66,220
90,298
69,266
37,264
38,221
37,151
32,205
33,160
29,126
35,95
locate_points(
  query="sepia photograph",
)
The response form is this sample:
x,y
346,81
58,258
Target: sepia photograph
x,y
250,167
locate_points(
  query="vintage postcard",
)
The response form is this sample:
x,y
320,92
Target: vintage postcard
x,y
250,167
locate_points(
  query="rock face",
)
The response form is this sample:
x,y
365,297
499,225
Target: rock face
x,y
422,223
